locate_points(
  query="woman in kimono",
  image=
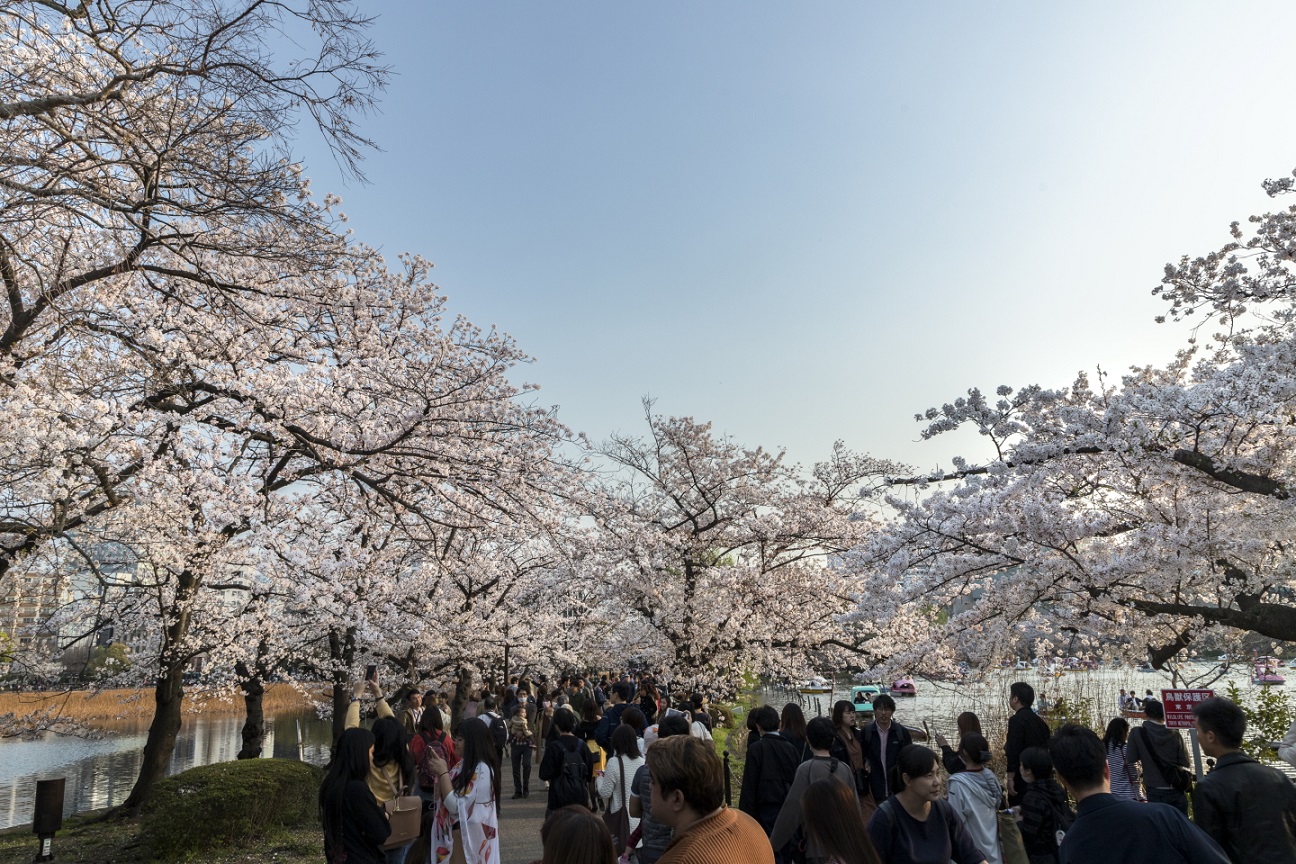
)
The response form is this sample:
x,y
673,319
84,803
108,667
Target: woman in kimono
x,y
467,797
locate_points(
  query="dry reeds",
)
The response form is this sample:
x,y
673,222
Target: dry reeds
x,y
91,705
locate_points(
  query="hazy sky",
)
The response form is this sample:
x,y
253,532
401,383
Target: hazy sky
x,y
808,221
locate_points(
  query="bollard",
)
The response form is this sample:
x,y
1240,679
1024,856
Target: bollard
x,y
728,781
47,816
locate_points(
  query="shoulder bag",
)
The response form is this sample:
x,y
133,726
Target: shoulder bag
x,y
1179,777
618,823
405,815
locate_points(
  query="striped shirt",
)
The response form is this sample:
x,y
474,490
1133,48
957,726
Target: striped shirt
x,y
1124,777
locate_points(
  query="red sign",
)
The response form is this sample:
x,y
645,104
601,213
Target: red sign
x,y
1179,706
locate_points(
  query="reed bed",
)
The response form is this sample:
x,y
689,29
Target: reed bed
x,y
91,705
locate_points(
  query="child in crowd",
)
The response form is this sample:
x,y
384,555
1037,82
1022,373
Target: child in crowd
x,y
520,752
1044,811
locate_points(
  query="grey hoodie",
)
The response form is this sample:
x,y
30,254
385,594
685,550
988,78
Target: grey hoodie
x,y
975,795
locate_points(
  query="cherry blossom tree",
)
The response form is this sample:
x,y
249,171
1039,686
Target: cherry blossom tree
x,y
726,553
1154,511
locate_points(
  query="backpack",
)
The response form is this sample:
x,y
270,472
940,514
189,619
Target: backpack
x,y
423,749
1063,819
570,786
499,732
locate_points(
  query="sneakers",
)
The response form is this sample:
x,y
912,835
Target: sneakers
x,y
517,795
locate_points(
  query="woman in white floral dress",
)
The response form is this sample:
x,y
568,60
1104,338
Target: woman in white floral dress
x,y
466,799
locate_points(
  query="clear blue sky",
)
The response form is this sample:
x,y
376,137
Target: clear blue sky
x,y
808,221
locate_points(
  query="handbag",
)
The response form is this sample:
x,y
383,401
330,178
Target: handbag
x,y
1010,839
619,822
405,816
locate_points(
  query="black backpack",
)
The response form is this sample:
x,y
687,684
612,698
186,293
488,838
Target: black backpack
x,y
1063,818
498,731
570,785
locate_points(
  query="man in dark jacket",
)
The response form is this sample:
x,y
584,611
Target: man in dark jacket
x,y
1025,729
1249,808
768,773
621,693
883,739
558,753
1153,745
1108,829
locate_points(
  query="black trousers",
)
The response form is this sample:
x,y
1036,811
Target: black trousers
x,y
521,756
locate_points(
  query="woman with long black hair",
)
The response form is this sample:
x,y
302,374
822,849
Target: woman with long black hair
x,y
848,748
833,825
393,773
467,796
1124,774
354,825
792,726
391,770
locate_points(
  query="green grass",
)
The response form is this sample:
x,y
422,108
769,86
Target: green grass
x,y
84,840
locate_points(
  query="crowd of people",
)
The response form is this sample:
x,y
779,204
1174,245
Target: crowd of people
x,y
632,775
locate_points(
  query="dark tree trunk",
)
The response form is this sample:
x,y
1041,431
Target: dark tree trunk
x,y
168,695
342,653
254,720
463,688
168,698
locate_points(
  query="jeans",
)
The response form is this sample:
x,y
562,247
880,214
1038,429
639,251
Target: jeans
x,y
1173,797
397,856
521,756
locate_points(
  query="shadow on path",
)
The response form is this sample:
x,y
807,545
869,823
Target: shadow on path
x,y
520,823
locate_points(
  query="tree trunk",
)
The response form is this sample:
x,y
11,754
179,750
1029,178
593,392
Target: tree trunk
x,y
254,721
168,697
342,653
462,690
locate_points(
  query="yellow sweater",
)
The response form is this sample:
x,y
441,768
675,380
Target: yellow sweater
x,y
380,780
721,838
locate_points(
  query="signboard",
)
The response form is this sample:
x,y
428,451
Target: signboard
x,y
1179,707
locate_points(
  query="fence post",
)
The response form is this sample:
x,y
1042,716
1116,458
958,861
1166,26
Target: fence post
x,y
728,781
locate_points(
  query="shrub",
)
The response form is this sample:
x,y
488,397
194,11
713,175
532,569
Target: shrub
x,y
231,804
1269,712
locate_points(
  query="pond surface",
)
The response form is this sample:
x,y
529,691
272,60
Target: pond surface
x,y
100,772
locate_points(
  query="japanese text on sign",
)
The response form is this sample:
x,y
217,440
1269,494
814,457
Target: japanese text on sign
x,y
1179,704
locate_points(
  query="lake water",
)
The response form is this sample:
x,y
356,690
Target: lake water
x,y
100,772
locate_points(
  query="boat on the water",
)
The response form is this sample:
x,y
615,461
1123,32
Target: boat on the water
x,y
1266,675
816,686
903,687
862,697
1145,667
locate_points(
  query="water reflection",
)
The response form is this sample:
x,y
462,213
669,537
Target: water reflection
x,y
100,773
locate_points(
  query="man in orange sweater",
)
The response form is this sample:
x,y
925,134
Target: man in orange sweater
x,y
688,795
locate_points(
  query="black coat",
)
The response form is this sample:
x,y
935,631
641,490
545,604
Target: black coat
x,y
551,763
838,751
897,737
1025,729
363,828
1249,809
768,773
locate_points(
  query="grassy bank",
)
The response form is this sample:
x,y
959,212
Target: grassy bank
x,y
257,810
84,841
88,706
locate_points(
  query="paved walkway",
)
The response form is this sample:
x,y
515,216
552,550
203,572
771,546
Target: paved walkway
x,y
520,822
